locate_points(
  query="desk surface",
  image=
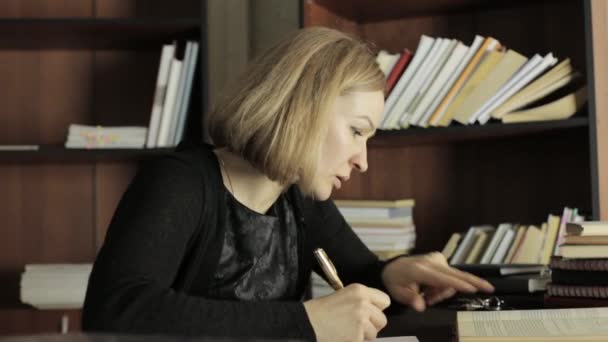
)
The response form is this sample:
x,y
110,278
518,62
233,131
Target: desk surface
x,y
436,324
120,338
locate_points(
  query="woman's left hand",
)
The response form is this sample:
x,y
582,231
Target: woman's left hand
x,y
405,276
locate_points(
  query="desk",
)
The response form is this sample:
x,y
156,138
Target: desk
x,y
438,324
120,338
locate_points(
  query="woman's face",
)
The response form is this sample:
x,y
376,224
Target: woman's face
x,y
354,118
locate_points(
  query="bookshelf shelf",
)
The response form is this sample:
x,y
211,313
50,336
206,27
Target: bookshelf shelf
x,y
373,11
440,135
86,33
50,153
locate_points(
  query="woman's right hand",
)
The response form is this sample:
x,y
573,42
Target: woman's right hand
x,y
351,314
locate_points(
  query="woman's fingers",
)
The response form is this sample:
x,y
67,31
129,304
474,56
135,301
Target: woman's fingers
x,y
379,298
377,317
439,295
437,274
411,297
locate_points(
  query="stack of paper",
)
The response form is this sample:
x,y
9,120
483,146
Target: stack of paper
x,y
82,136
55,286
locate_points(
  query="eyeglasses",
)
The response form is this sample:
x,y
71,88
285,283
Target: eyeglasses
x,y
479,304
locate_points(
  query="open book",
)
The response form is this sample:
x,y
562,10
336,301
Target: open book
x,y
590,324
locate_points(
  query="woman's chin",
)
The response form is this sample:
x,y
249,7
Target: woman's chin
x,y
322,194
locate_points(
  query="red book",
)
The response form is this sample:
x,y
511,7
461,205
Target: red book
x,y
397,70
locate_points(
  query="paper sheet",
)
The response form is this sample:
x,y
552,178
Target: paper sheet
x,y
534,323
397,339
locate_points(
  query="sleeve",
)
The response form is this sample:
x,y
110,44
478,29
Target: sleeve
x,y
354,262
129,289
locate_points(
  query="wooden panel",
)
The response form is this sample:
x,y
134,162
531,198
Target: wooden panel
x,y
44,91
227,43
46,213
599,18
285,19
539,29
317,15
47,217
518,179
45,8
395,35
124,87
111,181
29,321
147,8
371,10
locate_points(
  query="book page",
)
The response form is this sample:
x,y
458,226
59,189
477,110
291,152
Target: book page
x,y
534,323
397,339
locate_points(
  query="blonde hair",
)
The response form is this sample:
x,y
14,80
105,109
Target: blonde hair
x,y
275,116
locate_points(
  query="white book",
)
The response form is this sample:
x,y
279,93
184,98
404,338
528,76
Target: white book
x,y
180,94
387,61
444,52
460,254
475,45
162,79
493,245
425,108
183,112
79,130
545,63
400,108
406,230
424,46
19,147
521,72
169,107
372,213
504,245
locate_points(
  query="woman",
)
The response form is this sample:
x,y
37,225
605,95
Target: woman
x,y
219,241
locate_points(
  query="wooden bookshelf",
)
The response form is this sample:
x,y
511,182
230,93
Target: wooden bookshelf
x,y
85,33
465,175
89,62
49,153
459,133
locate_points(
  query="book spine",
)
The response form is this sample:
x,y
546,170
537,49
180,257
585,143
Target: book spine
x,y
577,291
579,264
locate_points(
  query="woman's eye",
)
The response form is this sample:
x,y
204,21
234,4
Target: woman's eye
x,y
356,132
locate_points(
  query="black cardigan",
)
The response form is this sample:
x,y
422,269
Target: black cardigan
x,y
165,240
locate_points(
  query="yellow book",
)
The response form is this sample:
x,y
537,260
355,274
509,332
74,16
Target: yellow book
x,y
559,109
552,229
504,70
455,111
489,43
521,230
450,246
478,247
559,75
547,325
528,251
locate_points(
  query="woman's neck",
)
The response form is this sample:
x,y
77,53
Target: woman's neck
x,y
247,184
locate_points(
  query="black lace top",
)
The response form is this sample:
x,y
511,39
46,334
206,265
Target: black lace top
x,y
259,259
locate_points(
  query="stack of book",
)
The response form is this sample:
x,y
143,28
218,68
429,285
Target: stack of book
x,y
489,248
172,95
447,81
83,136
510,243
54,286
581,268
385,227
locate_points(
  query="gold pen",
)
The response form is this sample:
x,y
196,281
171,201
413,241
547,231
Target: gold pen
x,y
329,269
